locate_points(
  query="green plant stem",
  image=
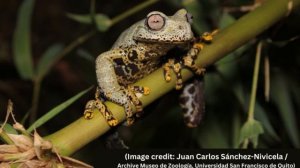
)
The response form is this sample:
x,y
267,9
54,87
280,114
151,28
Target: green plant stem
x,y
253,89
254,81
69,139
35,100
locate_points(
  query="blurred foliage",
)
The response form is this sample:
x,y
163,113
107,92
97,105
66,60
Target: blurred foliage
x,y
33,34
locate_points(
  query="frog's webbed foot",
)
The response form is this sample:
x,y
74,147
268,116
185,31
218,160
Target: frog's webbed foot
x,y
97,103
126,97
189,60
132,92
176,67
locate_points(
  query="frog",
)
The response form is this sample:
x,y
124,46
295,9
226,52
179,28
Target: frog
x,y
138,52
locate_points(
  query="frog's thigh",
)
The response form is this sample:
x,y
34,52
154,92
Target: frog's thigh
x,y
108,82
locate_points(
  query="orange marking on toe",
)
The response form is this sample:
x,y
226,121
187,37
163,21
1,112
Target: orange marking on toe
x,y
88,114
113,122
146,90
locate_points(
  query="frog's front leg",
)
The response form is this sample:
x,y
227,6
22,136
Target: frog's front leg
x,y
176,67
189,60
109,84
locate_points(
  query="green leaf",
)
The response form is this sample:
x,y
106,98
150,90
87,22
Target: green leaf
x,y
85,19
47,60
103,22
260,112
251,130
85,55
280,94
56,110
21,41
9,128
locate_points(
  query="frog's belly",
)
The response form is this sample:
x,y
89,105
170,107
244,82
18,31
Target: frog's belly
x,y
128,74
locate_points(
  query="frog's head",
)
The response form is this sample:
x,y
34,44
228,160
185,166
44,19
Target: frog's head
x,y
158,27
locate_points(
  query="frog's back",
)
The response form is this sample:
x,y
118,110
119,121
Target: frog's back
x,y
126,38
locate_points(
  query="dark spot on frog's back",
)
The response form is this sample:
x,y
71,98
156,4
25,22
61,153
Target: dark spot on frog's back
x,y
134,68
120,71
133,55
119,61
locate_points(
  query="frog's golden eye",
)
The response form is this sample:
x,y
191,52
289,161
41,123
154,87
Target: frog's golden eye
x,y
189,18
155,22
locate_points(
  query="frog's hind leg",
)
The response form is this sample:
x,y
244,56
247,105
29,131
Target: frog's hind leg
x,y
97,103
122,98
132,90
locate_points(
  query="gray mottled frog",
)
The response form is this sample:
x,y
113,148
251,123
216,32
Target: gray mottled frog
x,y
138,52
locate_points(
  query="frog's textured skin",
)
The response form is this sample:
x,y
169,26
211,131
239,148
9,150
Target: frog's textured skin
x,y
137,53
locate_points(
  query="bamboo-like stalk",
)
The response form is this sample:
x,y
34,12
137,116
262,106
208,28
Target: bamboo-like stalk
x,y
81,132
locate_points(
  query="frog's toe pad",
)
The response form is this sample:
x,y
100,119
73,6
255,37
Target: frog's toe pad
x,y
168,78
88,114
146,91
112,122
130,121
200,71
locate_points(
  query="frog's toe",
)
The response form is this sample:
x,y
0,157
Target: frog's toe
x,y
146,90
179,84
208,36
140,89
130,121
200,71
88,114
112,122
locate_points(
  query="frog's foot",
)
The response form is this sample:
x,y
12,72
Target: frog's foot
x,y
89,112
207,37
129,114
140,89
176,67
132,90
189,61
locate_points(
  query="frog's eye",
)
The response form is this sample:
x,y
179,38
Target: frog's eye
x,y
155,22
189,18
